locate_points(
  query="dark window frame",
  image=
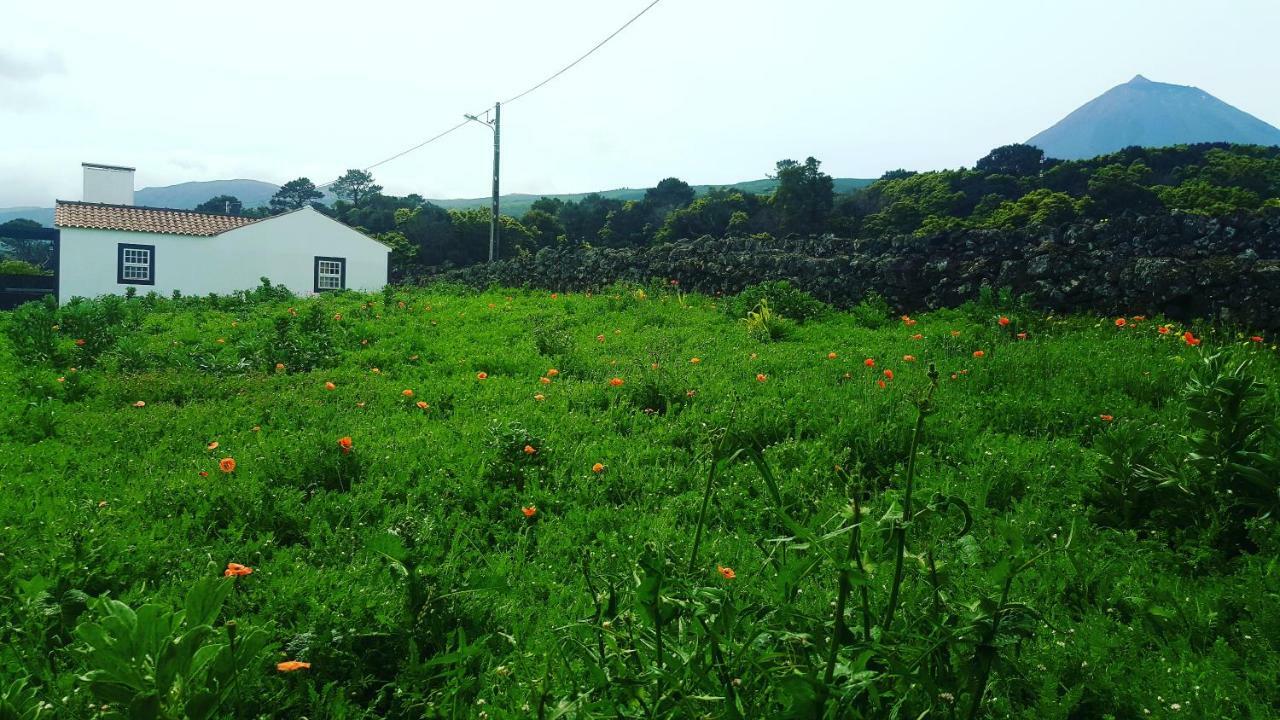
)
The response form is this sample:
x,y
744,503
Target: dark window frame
x,y
151,264
342,273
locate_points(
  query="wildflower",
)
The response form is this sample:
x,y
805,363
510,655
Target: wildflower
x,y
653,366
79,342
530,450
529,510
1256,338
979,353
831,356
293,312
140,403
1139,318
1004,321
597,468
616,382
1190,339
344,443
1121,322
237,570
552,372
539,397
256,428
337,317
279,367
726,572
213,445
364,341
888,374
422,405
375,371
690,393
554,296
204,473
544,380
227,464
407,392
360,404
482,375
292,665
869,362
955,333
908,358
917,336
761,377
330,386
1022,336
906,320
600,337
695,360
413,358
1163,329
221,340
62,379
880,384
1106,418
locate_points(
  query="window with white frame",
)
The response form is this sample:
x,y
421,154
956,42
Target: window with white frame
x,y
136,264
331,273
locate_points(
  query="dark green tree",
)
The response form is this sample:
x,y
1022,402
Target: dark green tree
x,y
584,219
1018,160
221,205
294,194
804,197
356,187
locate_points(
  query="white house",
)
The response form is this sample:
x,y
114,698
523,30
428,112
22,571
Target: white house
x,y
108,244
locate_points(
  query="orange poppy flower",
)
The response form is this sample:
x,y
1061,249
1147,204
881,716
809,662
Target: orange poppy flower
x,y
344,443
906,320
227,464
1004,321
554,296
1121,322
869,362
552,372
292,665
407,392
955,333
1022,336
761,377
695,360
600,338
337,317
529,450
1163,329
1190,339
653,366
908,358
544,380
140,403
1106,418
330,386
279,367
482,376
203,473
375,371
726,572
213,445
888,374
597,468
237,570
979,353
79,342
539,397
1256,338
616,382
422,405
62,379
831,356
1139,318
529,511
917,336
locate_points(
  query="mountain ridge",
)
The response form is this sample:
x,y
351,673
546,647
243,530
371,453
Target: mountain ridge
x,y
1146,113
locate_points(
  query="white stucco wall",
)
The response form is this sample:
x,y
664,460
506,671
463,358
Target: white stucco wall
x,y
282,248
107,184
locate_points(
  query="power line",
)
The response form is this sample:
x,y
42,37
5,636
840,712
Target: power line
x,y
551,77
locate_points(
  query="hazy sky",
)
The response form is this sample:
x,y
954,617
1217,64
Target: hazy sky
x,y
711,91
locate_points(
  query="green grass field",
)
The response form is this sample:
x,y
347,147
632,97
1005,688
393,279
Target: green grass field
x,y
524,545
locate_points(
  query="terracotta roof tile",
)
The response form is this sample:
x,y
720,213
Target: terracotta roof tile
x,y
99,216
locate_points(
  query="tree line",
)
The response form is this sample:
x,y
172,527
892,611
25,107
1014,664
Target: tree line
x,y
1012,187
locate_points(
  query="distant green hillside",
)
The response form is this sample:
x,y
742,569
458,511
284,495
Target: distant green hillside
x,y
516,204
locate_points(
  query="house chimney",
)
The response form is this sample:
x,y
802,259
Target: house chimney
x,y
110,184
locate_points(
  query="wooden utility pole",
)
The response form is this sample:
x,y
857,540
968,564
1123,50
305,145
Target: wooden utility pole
x,y
497,145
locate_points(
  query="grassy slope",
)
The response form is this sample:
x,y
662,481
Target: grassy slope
x,y
116,503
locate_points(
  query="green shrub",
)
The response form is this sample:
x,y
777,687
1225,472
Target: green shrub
x,y
782,298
